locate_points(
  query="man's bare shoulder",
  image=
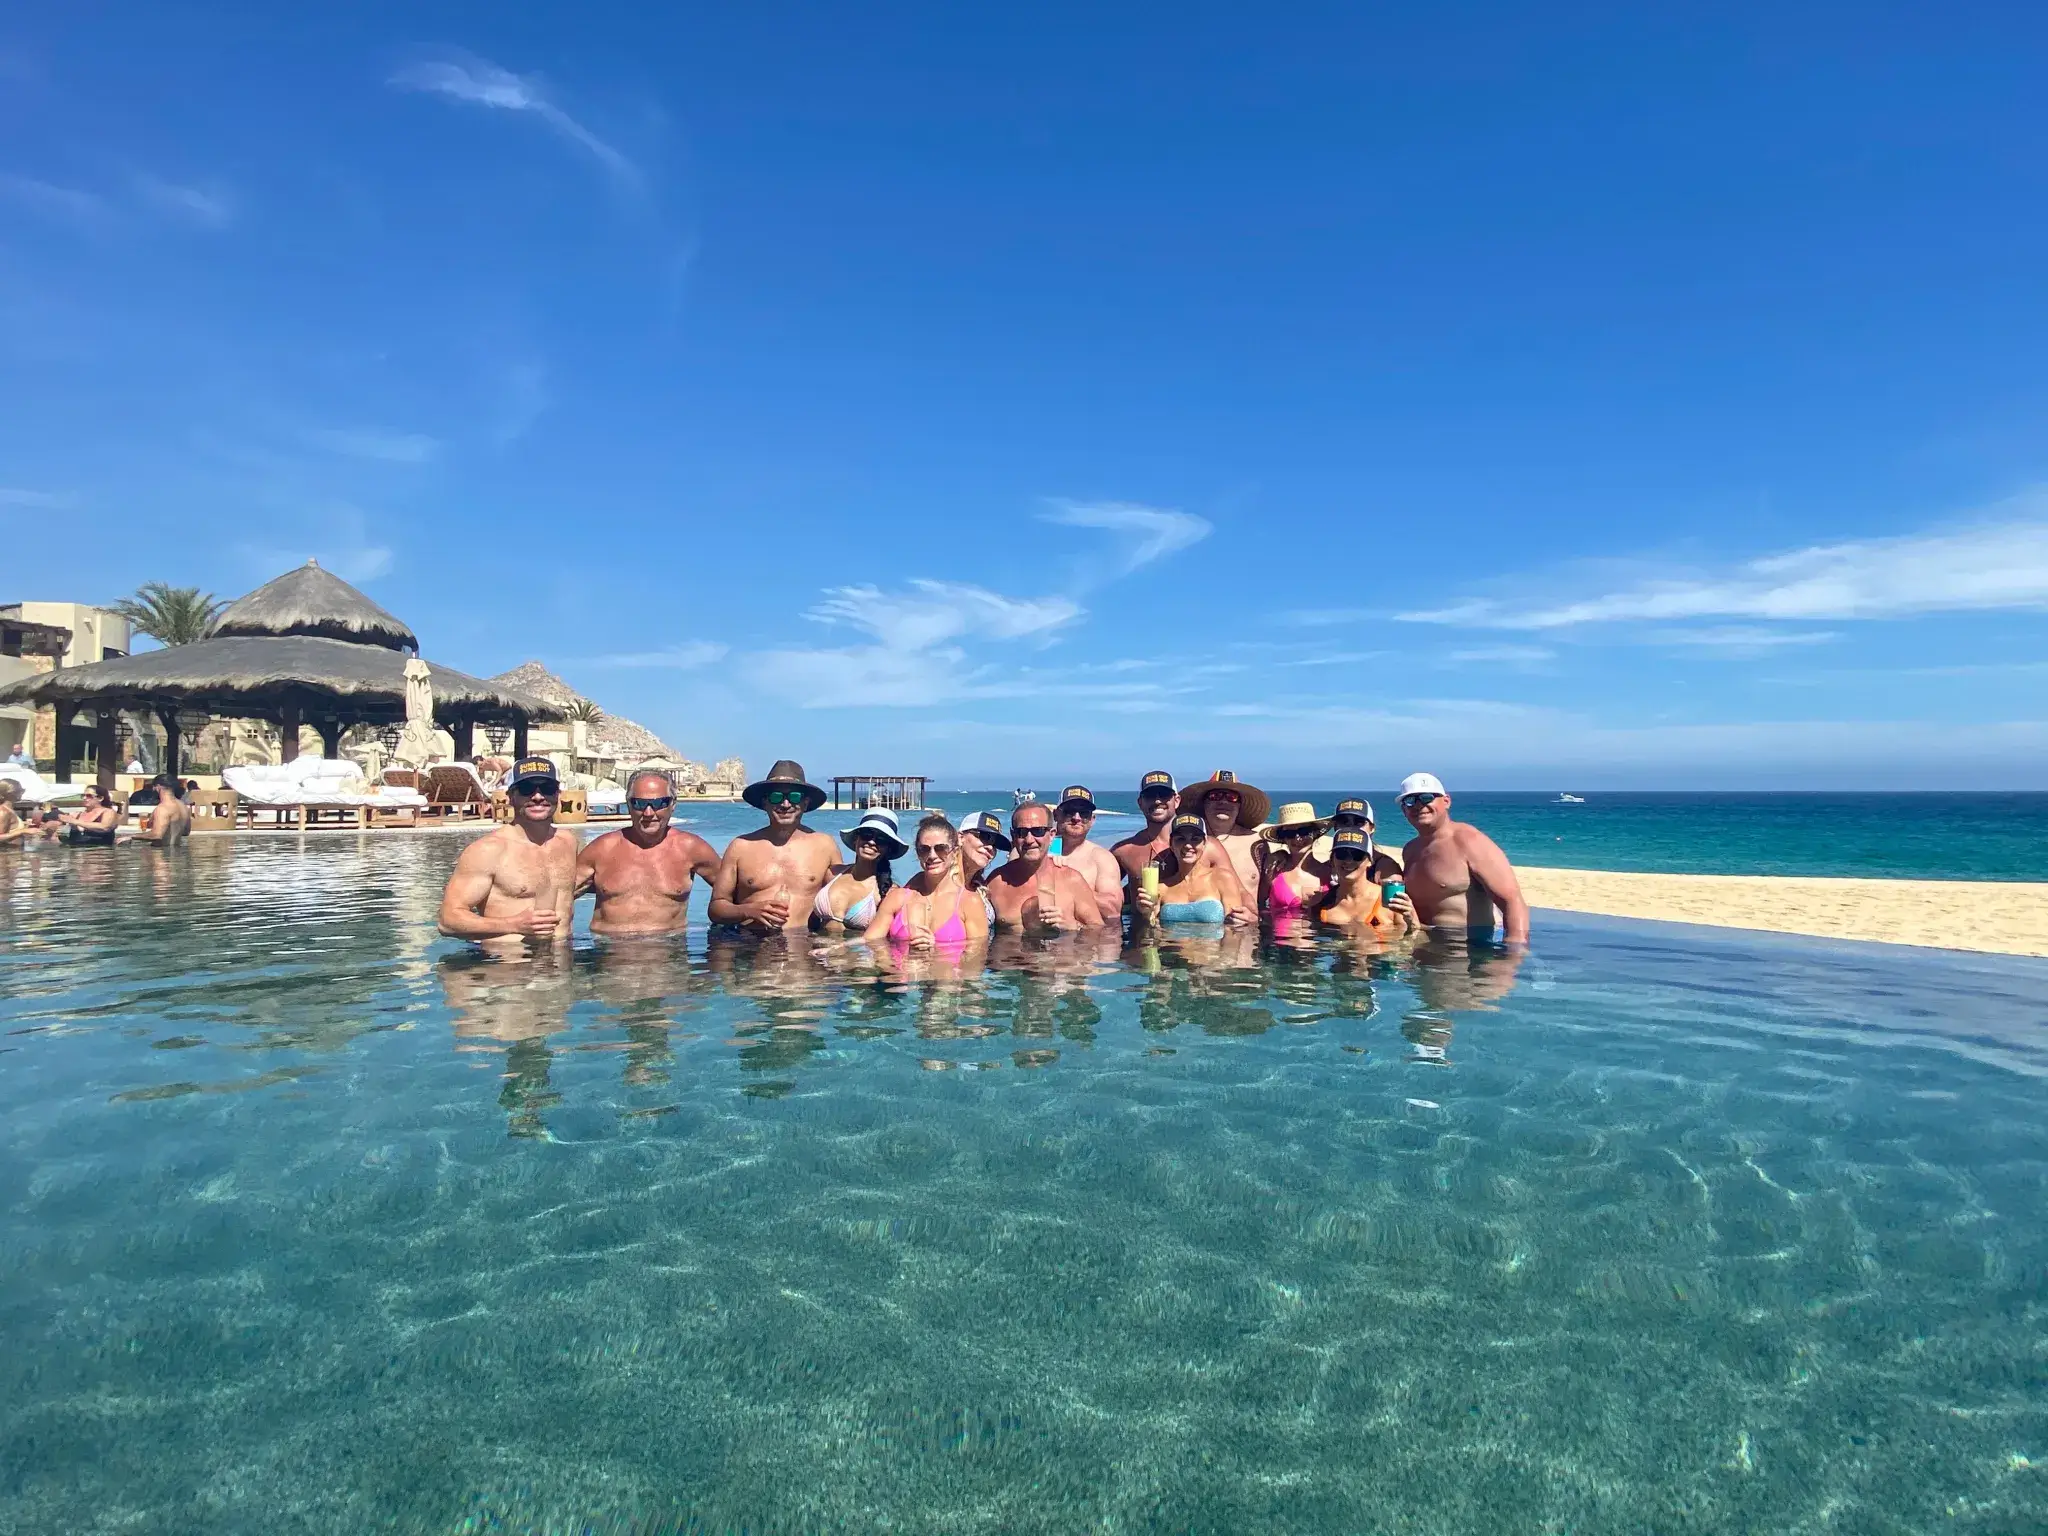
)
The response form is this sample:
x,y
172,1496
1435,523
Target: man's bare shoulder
x,y
600,846
699,849
490,848
1472,840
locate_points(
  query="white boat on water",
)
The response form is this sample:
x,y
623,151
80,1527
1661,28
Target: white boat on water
x,y
1565,799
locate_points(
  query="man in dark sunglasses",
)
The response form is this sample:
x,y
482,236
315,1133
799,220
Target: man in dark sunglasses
x,y
515,886
1457,876
768,879
642,872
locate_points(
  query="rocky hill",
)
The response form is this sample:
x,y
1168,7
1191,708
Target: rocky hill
x,y
633,742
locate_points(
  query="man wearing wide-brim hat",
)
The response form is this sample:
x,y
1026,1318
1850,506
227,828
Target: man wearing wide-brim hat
x,y
768,879
1232,811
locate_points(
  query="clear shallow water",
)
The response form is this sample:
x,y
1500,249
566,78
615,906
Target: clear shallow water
x,y
309,1222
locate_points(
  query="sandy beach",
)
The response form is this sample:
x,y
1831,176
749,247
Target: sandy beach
x,y
1992,917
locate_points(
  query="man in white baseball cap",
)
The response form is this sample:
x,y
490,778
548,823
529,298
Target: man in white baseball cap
x,y
1456,875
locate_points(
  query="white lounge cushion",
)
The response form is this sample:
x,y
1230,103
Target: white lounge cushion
x,y
37,790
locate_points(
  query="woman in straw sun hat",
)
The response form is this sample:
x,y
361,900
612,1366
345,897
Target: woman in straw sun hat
x,y
1288,886
847,902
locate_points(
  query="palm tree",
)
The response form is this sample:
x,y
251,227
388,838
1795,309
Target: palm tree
x,y
170,615
585,710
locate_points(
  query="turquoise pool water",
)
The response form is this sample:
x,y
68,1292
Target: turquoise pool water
x,y
309,1222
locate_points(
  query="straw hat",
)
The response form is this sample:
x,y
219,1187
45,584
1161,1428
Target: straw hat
x,y
1296,813
884,826
1252,806
787,774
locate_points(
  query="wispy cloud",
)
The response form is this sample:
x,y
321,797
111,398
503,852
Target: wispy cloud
x,y
1994,564
337,535
936,611
484,84
1504,655
208,207
369,443
46,199
689,656
1741,640
20,496
1324,618
523,396
1146,533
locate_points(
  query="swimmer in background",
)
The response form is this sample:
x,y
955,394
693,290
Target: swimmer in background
x,y
170,819
643,873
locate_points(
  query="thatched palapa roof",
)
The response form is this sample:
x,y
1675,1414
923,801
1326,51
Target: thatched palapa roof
x,y
307,641
257,674
310,601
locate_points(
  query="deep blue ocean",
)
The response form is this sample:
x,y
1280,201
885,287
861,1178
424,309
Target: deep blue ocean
x,y
1932,836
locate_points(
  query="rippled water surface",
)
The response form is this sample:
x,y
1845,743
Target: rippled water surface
x,y
310,1221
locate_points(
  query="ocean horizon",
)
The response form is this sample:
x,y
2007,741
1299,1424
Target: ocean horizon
x,y
1864,834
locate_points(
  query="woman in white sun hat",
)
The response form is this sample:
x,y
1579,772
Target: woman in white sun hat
x,y
847,902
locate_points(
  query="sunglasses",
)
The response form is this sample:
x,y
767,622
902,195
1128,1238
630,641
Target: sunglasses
x,y
1348,856
657,803
1409,802
535,791
784,797
1227,796
1017,832
1294,834
1078,813
933,850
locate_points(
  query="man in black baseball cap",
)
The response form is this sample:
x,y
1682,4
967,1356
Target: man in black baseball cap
x,y
1158,799
515,886
1072,817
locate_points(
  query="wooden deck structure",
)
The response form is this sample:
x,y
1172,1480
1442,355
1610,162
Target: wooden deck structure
x,y
878,791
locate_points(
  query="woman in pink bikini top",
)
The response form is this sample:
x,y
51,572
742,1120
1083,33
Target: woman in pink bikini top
x,y
932,908
1288,887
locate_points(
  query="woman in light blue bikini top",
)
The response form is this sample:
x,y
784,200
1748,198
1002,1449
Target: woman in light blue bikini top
x,y
848,900
1189,891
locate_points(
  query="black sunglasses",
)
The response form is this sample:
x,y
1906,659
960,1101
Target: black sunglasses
x,y
1348,856
1016,832
1294,834
531,788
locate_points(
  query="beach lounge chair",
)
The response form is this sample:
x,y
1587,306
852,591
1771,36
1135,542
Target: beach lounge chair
x,y
454,792
311,790
210,807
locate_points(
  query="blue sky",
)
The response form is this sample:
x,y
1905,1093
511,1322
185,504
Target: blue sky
x,y
1599,396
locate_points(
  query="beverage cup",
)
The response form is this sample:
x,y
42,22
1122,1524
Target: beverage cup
x,y
1148,879
1393,890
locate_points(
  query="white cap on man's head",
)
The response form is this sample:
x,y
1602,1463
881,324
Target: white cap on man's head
x,y
1421,784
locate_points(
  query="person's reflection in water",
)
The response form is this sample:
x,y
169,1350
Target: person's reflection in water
x,y
519,1003
785,975
647,983
1453,975
1208,979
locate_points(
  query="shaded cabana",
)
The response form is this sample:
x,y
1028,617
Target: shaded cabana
x,y
305,649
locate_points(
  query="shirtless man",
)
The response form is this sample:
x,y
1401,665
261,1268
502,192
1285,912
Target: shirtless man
x,y
1074,815
515,886
768,879
1457,876
1232,811
170,821
642,873
1157,802
1031,890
